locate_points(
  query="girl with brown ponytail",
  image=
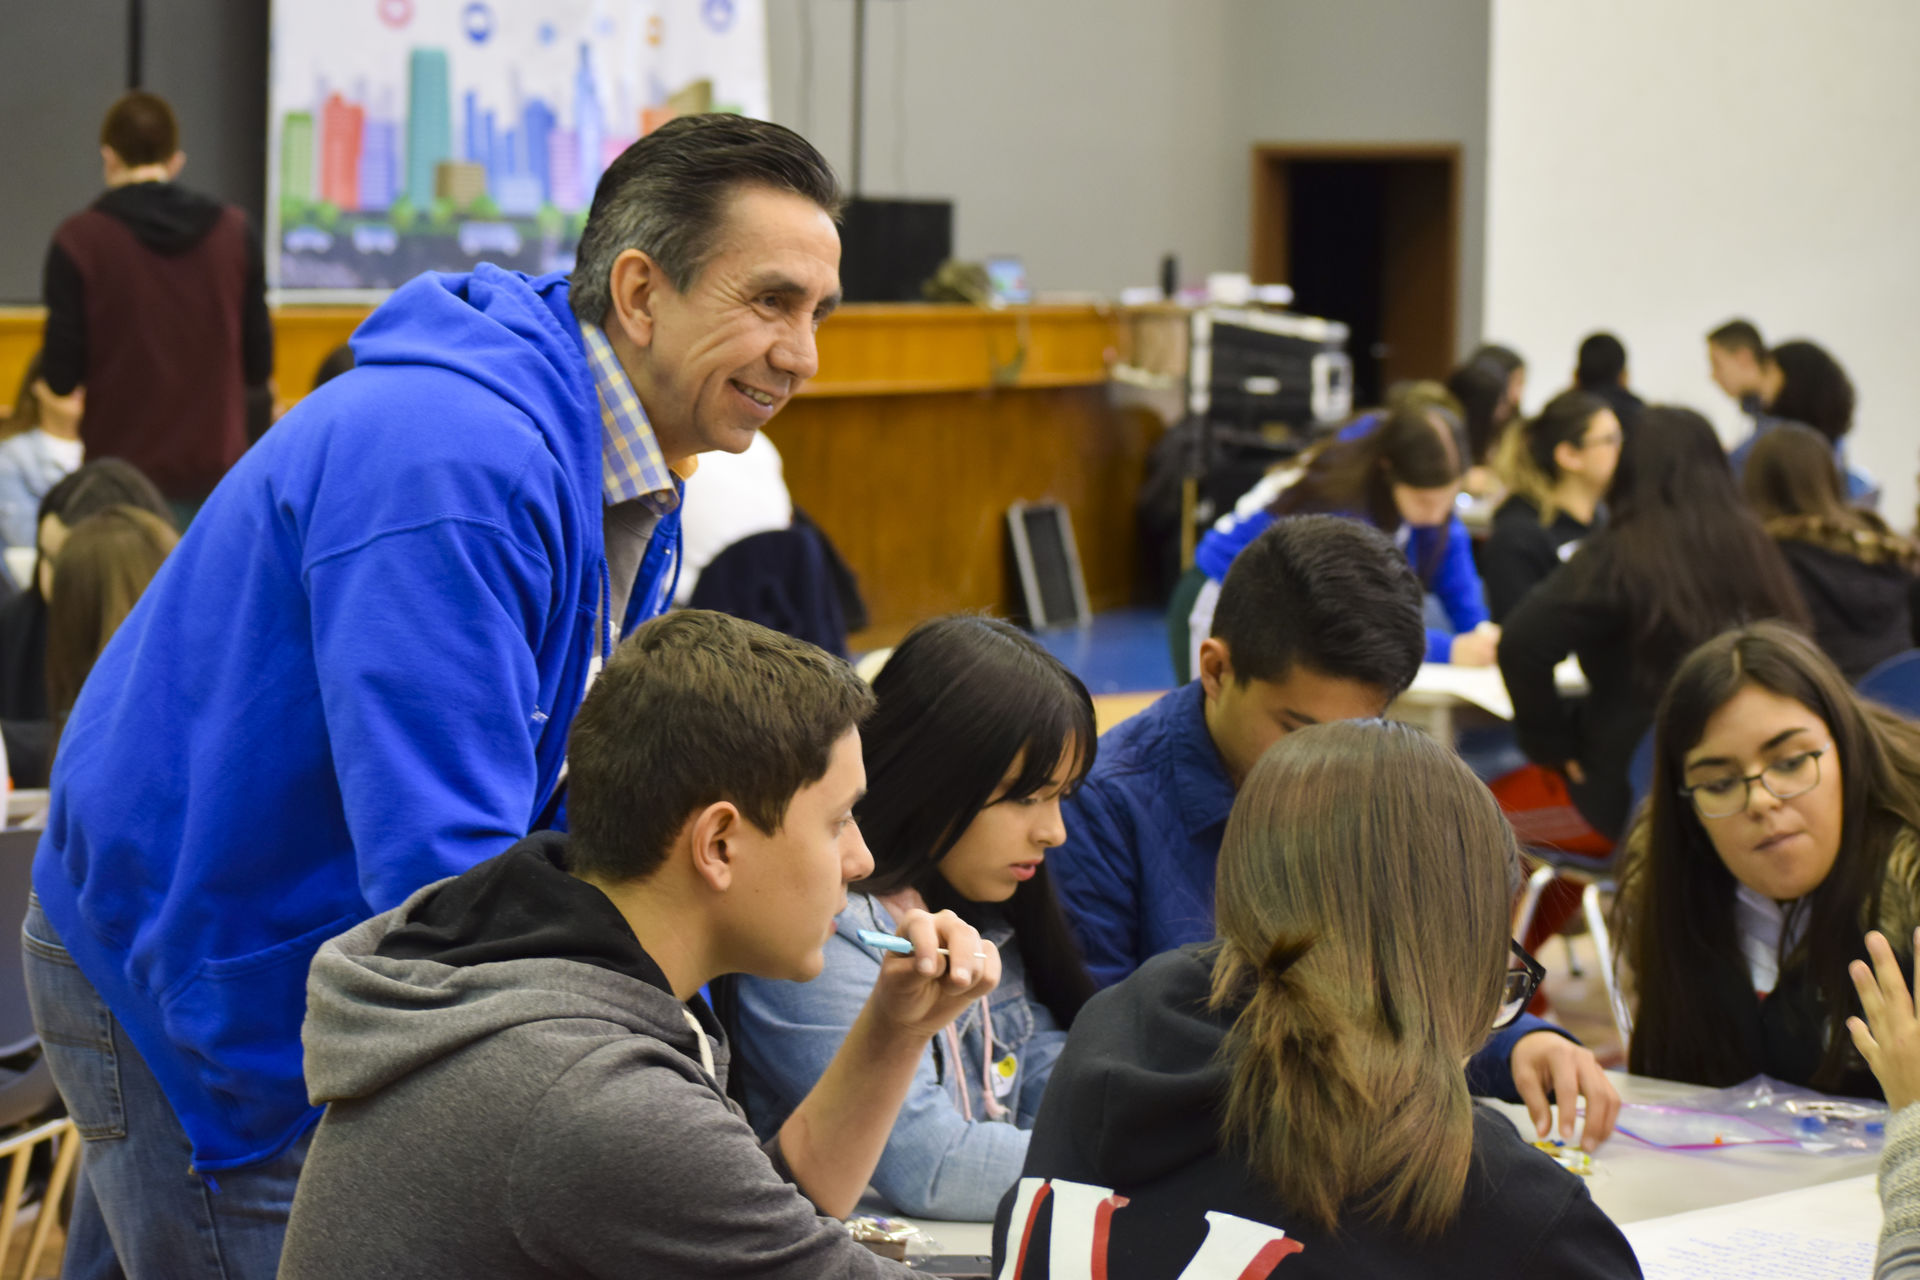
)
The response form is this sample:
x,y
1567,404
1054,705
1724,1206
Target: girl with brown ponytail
x,y
1293,1091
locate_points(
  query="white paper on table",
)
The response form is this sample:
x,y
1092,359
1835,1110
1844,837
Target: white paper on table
x,y
1815,1233
1484,687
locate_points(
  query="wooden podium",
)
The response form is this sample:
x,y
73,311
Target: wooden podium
x,y
925,423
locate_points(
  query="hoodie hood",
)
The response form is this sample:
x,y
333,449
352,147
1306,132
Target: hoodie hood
x,y
514,941
1856,585
510,333
1141,1082
166,218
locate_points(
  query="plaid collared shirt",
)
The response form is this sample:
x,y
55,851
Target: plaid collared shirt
x,y
631,462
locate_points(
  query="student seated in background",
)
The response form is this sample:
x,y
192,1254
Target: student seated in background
x,y
1737,360
1855,574
1483,390
1512,362
1782,822
98,577
24,715
1888,1037
1600,368
1401,477
1319,621
520,1076
1803,383
978,735
1363,952
1680,559
1557,467
42,447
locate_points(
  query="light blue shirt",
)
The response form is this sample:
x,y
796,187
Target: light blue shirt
x,y
30,464
945,1158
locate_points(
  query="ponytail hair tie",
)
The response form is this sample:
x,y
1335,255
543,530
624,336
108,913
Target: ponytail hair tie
x,y
1286,951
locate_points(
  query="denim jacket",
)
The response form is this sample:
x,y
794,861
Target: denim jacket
x,y
946,1157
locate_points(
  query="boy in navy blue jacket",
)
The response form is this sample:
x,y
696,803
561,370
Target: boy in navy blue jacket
x,y
356,674
1319,619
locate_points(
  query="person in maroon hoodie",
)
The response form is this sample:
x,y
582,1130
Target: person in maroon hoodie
x,y
156,302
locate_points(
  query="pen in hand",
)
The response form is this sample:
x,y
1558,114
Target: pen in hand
x,y
900,946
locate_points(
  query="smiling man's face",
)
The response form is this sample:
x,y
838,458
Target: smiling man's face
x,y
727,354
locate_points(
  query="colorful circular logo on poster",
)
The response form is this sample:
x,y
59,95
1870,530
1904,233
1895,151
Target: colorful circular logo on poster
x,y
717,13
396,13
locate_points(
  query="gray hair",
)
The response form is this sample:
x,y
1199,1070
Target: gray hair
x,y
666,195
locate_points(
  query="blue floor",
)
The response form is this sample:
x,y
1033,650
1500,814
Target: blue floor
x,y
1122,651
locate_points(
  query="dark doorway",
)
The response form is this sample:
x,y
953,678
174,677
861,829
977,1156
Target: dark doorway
x,y
1368,236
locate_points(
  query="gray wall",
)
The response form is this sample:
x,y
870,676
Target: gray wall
x,y
66,63
207,57
1088,136
1091,136
1370,71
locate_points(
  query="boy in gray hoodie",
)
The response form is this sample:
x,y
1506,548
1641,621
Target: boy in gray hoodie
x,y
521,1079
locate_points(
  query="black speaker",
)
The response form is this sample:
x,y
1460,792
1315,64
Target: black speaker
x,y
889,248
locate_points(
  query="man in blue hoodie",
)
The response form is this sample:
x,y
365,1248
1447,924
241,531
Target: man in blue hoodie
x,y
356,675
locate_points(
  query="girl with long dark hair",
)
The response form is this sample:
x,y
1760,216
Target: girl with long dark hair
x,y
1782,823
1296,1083
1401,475
1801,382
1855,574
1680,560
978,735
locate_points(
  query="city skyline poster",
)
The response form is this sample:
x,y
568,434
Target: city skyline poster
x,y
431,135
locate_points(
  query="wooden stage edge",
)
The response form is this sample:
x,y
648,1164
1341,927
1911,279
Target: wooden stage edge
x,y
925,423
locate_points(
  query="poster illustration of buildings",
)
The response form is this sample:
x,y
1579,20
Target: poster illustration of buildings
x,y
429,135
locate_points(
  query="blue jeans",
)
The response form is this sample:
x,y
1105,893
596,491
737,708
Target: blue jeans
x,y
139,1209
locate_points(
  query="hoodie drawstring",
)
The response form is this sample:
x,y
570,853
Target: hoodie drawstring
x,y
700,1035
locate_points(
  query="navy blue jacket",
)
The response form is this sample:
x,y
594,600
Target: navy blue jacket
x,y
1135,875
352,678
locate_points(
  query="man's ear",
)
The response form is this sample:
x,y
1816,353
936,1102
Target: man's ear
x,y
712,839
175,164
1216,667
110,165
635,285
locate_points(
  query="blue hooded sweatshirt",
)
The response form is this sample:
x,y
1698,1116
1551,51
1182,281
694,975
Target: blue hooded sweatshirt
x,y
352,678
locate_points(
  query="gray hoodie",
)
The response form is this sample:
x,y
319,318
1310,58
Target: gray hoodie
x,y
513,1091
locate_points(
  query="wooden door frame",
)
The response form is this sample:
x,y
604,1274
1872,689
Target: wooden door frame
x,y
1267,246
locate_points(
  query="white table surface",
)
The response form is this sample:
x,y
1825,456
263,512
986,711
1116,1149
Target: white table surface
x,y
1631,1180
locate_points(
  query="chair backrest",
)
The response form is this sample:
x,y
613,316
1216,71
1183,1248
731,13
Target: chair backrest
x,y
17,848
1895,683
1640,775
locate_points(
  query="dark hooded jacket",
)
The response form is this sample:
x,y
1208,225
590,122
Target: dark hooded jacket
x,y
513,1091
156,301
1128,1146
1858,584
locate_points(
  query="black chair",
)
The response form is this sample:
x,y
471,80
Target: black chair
x,y
1895,684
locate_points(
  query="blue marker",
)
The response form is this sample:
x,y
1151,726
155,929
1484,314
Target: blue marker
x,y
900,946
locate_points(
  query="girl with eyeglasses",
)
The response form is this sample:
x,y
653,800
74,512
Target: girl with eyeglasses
x,y
1557,467
1293,1090
1783,822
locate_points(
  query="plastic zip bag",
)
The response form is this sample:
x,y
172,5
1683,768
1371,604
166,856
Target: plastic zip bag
x,y
1761,1112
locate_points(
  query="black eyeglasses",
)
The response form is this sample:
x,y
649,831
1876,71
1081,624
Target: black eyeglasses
x,y
1787,777
1519,988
